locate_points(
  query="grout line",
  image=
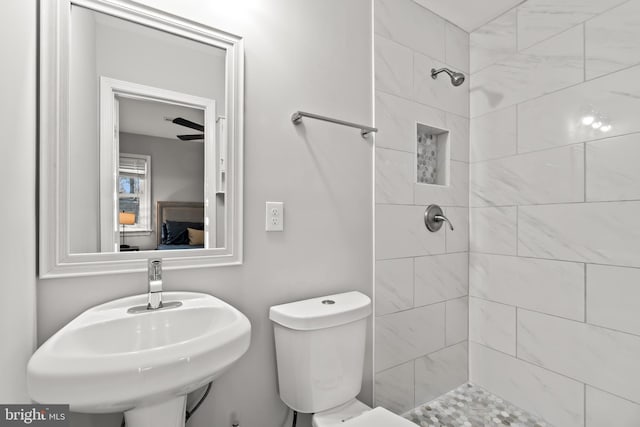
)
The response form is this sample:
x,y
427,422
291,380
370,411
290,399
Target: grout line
x,y
584,170
613,394
556,147
413,379
555,372
571,86
373,206
517,128
527,362
413,280
529,205
584,404
421,356
516,352
499,16
465,162
516,35
422,256
517,230
584,52
414,308
607,328
422,104
585,292
445,324
553,259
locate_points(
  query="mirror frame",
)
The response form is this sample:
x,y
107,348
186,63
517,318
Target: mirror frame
x,y
55,259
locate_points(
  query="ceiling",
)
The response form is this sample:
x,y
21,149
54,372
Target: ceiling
x,y
469,14
148,118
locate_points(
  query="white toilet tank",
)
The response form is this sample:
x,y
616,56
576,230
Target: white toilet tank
x,y
320,344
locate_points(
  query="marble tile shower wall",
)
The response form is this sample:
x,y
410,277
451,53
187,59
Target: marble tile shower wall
x,y
421,348
554,267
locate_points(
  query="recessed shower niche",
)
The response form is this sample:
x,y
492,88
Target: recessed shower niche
x,y
432,155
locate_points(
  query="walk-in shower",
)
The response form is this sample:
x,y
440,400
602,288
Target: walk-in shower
x,y
456,78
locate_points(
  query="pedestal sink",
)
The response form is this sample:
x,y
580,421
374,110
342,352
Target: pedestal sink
x,y
110,360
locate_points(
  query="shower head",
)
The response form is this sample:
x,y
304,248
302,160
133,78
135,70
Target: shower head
x,y
456,78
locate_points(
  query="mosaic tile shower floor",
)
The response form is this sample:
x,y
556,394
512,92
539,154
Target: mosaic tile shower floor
x,y
472,406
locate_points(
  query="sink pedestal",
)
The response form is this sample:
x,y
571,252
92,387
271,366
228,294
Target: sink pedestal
x,y
170,413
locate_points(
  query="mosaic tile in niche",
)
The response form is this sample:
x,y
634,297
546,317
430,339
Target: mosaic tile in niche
x,y
427,157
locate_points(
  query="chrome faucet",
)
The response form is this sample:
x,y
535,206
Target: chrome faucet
x,y
155,284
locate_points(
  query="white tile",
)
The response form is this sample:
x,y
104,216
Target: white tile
x,y
459,137
549,176
553,287
441,277
543,68
403,336
612,168
396,121
440,372
455,194
401,233
600,357
493,230
613,297
457,47
554,120
393,68
493,325
494,41
493,135
612,40
394,176
411,25
603,233
457,324
458,239
604,409
439,92
555,398
394,388
541,19
394,285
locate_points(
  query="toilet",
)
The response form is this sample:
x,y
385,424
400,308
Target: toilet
x,y
320,346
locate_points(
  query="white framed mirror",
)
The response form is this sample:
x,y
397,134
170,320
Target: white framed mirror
x,y
141,119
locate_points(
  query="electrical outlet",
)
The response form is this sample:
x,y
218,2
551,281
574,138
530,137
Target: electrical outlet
x,y
274,216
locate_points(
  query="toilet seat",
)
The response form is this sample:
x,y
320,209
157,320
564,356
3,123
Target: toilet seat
x,y
378,417
357,414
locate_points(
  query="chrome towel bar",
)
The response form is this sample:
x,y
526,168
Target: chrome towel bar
x,y
296,118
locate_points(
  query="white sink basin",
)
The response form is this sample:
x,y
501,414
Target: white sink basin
x,y
108,360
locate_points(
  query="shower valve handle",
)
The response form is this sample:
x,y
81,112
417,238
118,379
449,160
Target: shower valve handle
x,y
441,218
434,218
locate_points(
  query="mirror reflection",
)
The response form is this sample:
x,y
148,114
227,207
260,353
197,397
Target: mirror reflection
x,y
147,138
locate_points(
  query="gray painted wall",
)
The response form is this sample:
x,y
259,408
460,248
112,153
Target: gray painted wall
x,y
306,55
17,184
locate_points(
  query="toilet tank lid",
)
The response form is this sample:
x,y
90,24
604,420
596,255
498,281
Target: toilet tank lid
x,y
322,312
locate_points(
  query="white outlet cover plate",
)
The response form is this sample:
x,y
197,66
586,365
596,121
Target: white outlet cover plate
x,y
274,216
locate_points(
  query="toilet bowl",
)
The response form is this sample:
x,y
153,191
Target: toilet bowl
x,y
320,347
357,414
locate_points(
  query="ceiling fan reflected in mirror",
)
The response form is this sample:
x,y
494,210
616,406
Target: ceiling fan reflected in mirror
x,y
191,125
